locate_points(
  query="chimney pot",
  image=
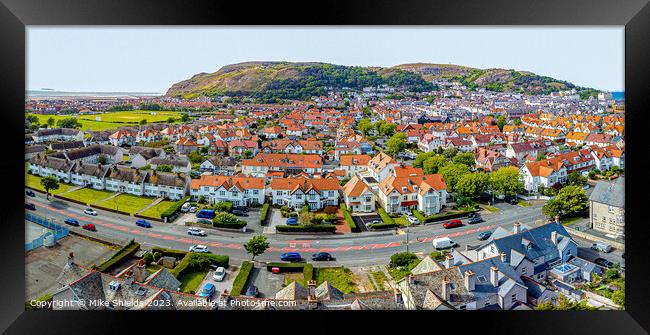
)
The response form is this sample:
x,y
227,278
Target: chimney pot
x,y
494,276
470,280
517,228
449,261
503,256
445,289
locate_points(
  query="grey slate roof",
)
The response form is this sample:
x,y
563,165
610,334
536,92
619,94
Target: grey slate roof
x,y
535,289
164,279
540,242
95,170
67,145
146,152
165,178
611,193
57,131
34,149
131,175
55,163
171,160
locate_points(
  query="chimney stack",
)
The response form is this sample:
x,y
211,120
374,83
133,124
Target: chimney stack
x,y
449,261
517,228
557,219
554,237
224,298
140,272
311,285
470,280
128,278
446,290
398,296
494,276
503,256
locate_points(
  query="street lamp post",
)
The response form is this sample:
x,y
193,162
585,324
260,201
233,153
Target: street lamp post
x,y
407,239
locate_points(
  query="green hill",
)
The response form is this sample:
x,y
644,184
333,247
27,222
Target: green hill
x,y
270,81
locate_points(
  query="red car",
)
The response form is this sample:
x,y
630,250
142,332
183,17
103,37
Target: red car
x,y
452,224
89,226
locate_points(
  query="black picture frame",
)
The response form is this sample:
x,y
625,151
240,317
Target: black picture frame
x,y
15,15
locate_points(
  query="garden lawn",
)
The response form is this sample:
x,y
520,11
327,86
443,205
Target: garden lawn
x,y
152,268
133,116
85,124
490,208
127,203
35,183
523,203
570,220
341,278
88,195
155,211
190,281
380,278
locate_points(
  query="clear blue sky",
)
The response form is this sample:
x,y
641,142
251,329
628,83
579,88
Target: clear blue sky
x,y
150,59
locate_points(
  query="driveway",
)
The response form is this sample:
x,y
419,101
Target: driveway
x,y
275,219
267,283
363,220
226,284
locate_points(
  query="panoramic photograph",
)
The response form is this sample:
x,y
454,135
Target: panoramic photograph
x,y
324,168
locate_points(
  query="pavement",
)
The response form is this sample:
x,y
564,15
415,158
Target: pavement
x,y
34,231
354,249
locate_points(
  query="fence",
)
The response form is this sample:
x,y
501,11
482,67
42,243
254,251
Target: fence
x,y
57,231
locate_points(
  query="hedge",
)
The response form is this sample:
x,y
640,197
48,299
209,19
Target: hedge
x,y
419,215
287,267
241,279
308,272
265,212
441,217
384,217
382,225
191,262
169,252
173,209
125,252
348,218
307,228
237,225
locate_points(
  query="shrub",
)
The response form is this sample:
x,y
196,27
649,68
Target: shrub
x,y
446,216
438,255
148,258
224,218
286,267
198,262
419,215
156,256
225,206
265,212
125,252
402,259
306,228
168,252
305,209
236,225
384,216
308,272
241,279
173,209
383,225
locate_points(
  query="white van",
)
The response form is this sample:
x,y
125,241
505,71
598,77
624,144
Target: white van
x,y
600,246
443,243
186,207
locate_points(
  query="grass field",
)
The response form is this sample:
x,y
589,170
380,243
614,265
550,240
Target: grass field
x,y
85,124
127,203
88,195
158,209
190,281
35,183
134,116
341,278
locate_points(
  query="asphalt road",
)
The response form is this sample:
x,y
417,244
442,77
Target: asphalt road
x,y
368,248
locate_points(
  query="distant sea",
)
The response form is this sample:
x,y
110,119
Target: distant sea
x,y
618,95
53,93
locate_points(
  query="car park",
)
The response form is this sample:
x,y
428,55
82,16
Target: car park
x,y
30,206
196,232
90,211
89,226
199,248
484,235
143,223
474,220
239,212
604,263
452,224
290,256
251,291
219,274
72,222
207,291
322,256
30,193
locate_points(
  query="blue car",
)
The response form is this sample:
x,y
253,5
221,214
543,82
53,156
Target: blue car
x,y
143,223
290,256
207,291
293,221
72,222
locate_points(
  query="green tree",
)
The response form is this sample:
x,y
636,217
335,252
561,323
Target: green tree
x,y
102,160
570,200
171,119
402,259
472,184
506,181
256,246
378,125
517,122
185,117
69,122
195,157
466,158
164,168
452,173
434,163
50,122
421,157
248,154
618,297
575,178
396,144
364,125
388,129
225,218
143,121
501,121
49,183
451,152
32,118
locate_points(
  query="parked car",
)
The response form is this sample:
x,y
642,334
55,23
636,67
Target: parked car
x,y
219,274
90,211
143,223
412,219
443,243
196,232
375,222
322,256
512,201
204,221
239,212
30,193
206,214
72,222
30,206
240,208
604,263
290,256
89,226
186,207
484,235
199,248
452,224
293,221
251,291
474,220
600,246
193,209
207,291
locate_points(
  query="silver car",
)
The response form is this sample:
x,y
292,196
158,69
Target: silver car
x,y
199,248
196,232
219,274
